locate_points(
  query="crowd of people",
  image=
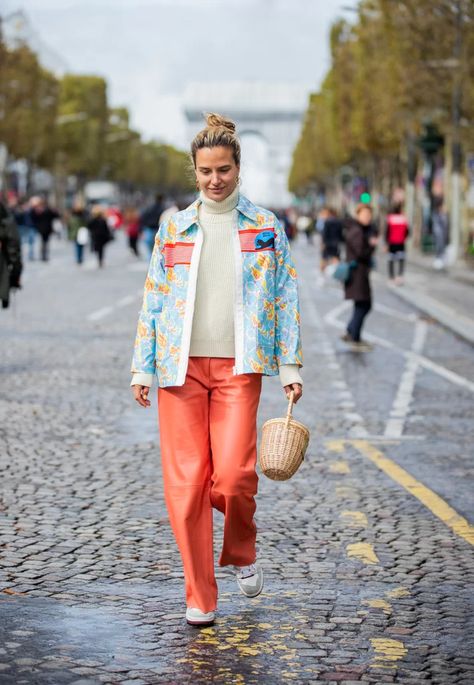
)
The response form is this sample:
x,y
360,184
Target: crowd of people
x,y
347,243
347,247
27,227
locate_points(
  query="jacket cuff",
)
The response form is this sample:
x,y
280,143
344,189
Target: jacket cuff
x,y
289,373
142,379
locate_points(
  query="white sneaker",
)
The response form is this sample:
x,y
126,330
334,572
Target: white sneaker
x,y
250,579
196,617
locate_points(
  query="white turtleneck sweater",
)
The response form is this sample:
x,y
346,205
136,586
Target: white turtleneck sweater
x,y
212,332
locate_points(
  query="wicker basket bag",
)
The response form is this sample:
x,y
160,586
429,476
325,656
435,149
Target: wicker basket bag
x,y
283,445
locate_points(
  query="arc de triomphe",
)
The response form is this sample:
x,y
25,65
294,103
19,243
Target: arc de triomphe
x,y
269,119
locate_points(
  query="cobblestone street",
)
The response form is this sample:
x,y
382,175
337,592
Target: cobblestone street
x,y
367,551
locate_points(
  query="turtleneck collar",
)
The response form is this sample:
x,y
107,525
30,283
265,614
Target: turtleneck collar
x,y
222,207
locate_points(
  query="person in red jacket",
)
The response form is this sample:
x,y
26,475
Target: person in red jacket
x,y
396,233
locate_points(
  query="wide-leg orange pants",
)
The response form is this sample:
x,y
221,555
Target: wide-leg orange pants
x,y
208,438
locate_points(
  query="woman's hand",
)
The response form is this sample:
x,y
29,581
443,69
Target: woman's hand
x,y
140,393
297,388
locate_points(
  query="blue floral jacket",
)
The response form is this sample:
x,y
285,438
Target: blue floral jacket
x,y
266,311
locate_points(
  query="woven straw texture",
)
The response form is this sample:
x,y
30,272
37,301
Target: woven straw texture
x,y
283,446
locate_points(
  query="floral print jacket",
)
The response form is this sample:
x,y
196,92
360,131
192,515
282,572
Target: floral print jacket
x,y
266,310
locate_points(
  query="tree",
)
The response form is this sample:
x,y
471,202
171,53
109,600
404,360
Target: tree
x,y
390,71
82,124
28,105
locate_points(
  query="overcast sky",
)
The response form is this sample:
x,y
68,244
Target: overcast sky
x,y
148,50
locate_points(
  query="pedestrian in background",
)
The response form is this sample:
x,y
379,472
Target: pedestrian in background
x,y
305,224
288,225
396,233
10,256
171,209
332,237
440,228
131,219
220,310
361,240
78,232
26,227
149,222
100,232
43,217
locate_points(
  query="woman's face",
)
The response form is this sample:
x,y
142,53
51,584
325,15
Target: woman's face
x,y
216,172
365,216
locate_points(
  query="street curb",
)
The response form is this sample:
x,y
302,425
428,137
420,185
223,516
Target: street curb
x,y
457,323
462,275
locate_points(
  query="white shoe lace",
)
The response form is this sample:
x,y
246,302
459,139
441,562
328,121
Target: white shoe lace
x,y
246,571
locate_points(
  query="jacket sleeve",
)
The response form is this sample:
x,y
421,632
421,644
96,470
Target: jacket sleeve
x,y
145,341
287,313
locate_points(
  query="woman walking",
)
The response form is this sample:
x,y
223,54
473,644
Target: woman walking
x,y
220,310
100,233
132,228
361,240
77,231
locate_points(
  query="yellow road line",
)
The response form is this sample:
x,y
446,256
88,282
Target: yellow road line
x,y
387,652
341,467
363,551
379,603
354,519
430,499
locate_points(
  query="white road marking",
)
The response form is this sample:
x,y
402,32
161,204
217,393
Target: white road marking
x,y
105,311
128,299
332,316
346,401
100,313
426,363
403,398
383,309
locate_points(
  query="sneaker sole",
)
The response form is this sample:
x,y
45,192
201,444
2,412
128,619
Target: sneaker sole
x,y
200,624
255,594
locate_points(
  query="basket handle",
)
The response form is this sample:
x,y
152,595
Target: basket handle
x,y
290,407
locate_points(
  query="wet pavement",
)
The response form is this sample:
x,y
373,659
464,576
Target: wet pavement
x,y
368,553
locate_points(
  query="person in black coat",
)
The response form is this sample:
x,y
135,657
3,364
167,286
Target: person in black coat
x,y
332,237
361,240
100,232
10,256
43,217
149,222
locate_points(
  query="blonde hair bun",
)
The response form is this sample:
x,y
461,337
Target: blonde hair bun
x,y
218,132
217,121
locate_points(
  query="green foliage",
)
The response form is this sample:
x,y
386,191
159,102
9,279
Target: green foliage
x,y
66,126
81,124
28,103
390,71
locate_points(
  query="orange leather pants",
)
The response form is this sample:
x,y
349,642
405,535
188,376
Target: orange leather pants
x,y
208,438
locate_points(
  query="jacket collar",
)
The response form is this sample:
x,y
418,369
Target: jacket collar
x,y
189,216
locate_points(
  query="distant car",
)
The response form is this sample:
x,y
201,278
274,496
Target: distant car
x,y
102,192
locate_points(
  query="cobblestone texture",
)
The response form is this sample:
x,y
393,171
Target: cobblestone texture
x,y
364,583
